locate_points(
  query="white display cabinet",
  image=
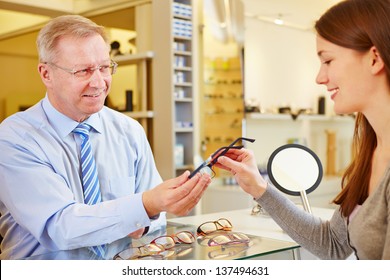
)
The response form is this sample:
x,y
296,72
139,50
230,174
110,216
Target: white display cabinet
x,y
173,85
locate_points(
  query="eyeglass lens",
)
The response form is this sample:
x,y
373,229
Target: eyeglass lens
x,y
105,70
169,242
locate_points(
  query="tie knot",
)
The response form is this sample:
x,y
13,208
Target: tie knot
x,y
82,129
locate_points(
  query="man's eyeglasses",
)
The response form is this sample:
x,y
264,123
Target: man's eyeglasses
x,y
156,246
213,226
207,166
84,74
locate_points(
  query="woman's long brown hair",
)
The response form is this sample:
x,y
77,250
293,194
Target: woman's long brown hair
x,y
358,25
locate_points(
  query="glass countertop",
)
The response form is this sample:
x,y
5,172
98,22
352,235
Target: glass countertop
x,y
199,250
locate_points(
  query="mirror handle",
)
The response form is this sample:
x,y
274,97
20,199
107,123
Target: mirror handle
x,y
305,202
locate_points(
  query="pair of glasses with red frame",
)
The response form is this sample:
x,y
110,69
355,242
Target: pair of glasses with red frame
x,y
207,166
157,246
219,232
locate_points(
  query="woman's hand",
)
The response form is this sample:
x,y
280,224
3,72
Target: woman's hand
x,y
242,164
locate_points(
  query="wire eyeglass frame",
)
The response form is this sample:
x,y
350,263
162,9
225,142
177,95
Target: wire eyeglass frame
x,y
86,73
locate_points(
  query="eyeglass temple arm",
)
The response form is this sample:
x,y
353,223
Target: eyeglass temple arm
x,y
215,156
231,146
242,138
210,161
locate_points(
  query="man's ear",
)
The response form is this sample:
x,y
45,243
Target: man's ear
x,y
44,73
376,61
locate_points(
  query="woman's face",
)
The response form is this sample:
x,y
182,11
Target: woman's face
x,y
346,74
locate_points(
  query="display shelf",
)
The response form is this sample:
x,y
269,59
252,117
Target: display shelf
x,y
174,80
130,59
223,103
144,111
275,130
309,117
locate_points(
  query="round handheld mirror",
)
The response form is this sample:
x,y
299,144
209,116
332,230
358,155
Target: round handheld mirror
x,y
295,170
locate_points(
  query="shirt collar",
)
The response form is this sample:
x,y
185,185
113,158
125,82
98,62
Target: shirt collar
x,y
64,125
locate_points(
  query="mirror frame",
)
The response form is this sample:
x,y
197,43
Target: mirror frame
x,y
281,188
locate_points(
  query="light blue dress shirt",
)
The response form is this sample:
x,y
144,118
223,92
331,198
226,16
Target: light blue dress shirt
x,y
41,195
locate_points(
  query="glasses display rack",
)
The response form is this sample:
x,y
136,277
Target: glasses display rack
x,y
223,103
143,113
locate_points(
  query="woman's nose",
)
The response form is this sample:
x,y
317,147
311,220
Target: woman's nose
x,y
322,77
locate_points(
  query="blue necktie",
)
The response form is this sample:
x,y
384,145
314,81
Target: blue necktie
x,y
90,179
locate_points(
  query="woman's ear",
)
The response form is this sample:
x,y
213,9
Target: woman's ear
x,y
377,63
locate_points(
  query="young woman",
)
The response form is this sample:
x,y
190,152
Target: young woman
x,y
353,45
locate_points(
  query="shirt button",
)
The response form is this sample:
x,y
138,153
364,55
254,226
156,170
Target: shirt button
x,y
138,225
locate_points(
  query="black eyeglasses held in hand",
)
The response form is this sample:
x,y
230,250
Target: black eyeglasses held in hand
x,y
207,166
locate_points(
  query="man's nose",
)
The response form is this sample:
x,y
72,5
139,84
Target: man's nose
x,y
97,80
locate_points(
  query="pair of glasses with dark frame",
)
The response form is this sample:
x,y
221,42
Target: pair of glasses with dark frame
x,y
207,166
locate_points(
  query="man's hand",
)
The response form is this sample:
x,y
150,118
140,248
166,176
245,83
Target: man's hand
x,y
177,196
137,234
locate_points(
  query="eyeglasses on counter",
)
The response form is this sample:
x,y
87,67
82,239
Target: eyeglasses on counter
x,y
213,226
158,248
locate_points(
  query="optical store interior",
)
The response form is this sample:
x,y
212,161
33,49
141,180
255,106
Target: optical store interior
x,y
197,75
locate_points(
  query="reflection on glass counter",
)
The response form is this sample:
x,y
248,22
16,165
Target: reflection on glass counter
x,y
200,249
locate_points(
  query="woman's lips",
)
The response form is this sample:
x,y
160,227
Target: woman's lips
x,y
333,93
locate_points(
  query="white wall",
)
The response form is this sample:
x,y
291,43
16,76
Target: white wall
x,y
280,66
